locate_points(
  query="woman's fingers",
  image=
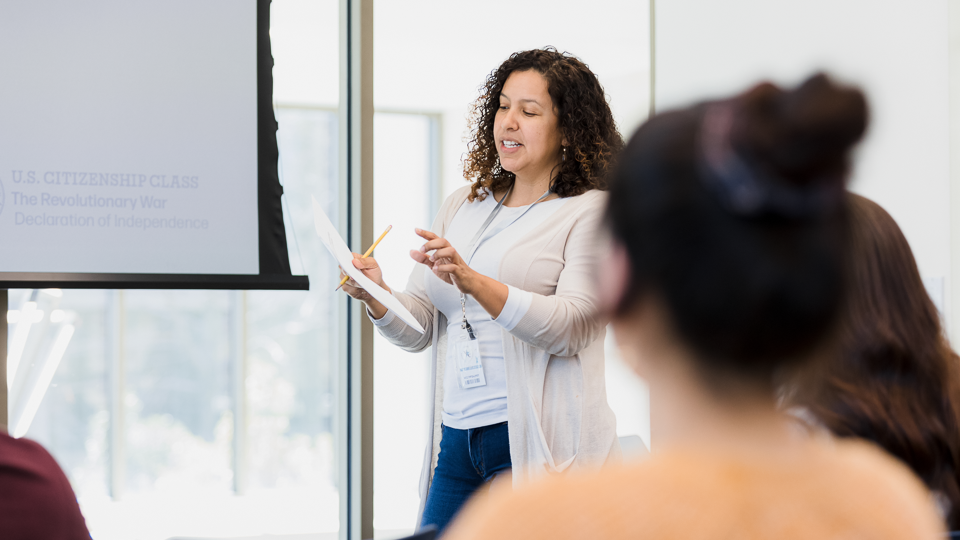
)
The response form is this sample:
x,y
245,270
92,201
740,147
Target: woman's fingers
x,y
353,289
445,253
446,268
437,243
426,235
434,242
365,264
445,276
421,258
444,261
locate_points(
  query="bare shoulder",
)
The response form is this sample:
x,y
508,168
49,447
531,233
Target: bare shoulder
x,y
840,491
873,475
572,505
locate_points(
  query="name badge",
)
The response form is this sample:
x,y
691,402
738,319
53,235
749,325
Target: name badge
x,y
469,367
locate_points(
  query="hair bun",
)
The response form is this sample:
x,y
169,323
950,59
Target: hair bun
x,y
803,135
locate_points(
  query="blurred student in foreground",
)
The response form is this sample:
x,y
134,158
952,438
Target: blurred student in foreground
x,y
728,227
36,500
896,381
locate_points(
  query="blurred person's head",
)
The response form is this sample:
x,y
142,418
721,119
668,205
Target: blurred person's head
x,y
541,113
895,380
728,229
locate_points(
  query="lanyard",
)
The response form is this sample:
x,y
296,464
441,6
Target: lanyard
x,y
475,243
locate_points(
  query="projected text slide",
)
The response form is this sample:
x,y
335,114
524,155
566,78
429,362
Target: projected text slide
x,y
129,137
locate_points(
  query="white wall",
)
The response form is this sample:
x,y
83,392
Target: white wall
x,y
433,55
896,50
954,56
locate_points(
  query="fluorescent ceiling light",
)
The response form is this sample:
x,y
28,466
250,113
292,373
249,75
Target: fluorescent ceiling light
x,y
42,381
19,339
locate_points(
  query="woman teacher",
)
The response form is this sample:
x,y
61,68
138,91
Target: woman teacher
x,y
506,292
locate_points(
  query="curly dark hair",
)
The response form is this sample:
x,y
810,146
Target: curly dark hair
x,y
584,118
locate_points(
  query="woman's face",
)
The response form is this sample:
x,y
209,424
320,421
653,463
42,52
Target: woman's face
x,y
526,128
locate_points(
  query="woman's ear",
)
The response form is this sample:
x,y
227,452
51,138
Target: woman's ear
x,y
613,276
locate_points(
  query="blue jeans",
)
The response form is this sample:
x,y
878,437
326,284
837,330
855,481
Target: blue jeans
x,y
469,458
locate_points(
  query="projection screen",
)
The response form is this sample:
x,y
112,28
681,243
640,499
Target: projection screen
x,y
138,146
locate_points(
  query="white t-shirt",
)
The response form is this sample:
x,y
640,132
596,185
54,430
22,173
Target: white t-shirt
x,y
484,405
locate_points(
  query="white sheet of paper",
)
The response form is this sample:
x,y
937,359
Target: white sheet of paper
x,y
338,248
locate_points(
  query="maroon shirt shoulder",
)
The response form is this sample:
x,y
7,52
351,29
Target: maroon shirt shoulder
x,y
36,500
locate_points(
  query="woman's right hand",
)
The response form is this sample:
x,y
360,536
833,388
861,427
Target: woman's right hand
x,y
371,269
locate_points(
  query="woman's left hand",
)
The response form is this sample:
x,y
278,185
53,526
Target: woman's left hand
x,y
445,262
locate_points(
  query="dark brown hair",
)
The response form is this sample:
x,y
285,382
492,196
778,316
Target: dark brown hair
x,y
896,381
732,213
584,119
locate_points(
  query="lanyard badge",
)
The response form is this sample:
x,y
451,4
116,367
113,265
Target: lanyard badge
x,y
469,364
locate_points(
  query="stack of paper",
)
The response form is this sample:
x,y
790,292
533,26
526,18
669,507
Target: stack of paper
x,y
338,248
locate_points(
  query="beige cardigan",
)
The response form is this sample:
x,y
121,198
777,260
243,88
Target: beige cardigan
x,y
557,408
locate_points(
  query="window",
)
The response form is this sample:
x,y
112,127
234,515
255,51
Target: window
x,y
406,178
205,413
71,417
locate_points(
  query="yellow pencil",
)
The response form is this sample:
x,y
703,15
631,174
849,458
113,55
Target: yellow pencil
x,y
365,255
